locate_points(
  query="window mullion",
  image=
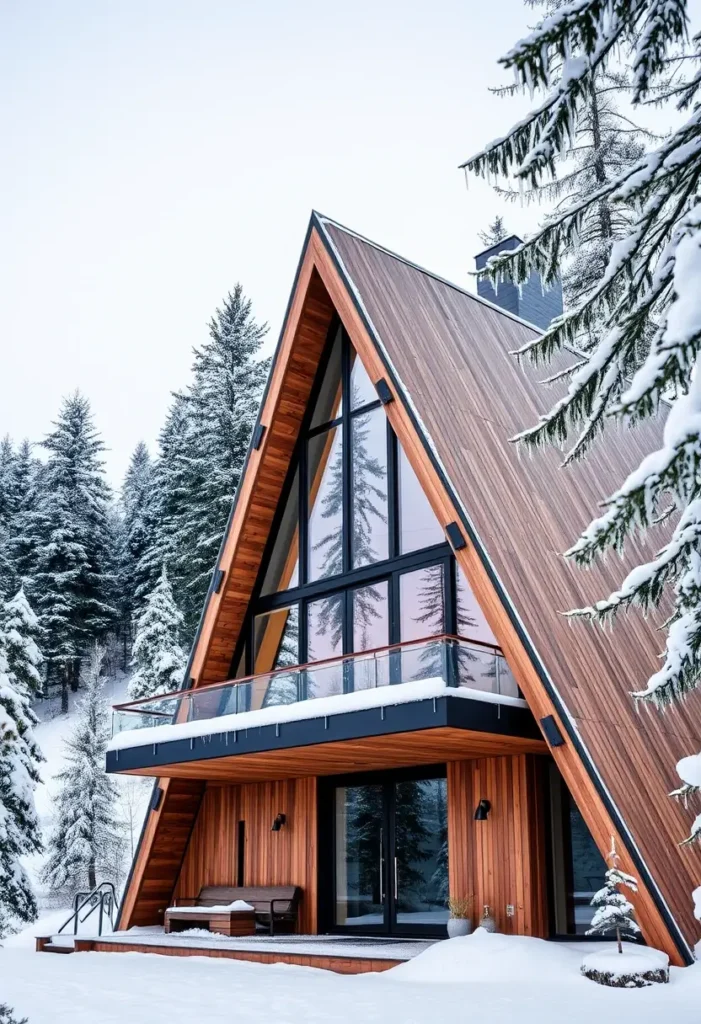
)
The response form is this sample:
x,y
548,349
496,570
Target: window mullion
x,y
347,518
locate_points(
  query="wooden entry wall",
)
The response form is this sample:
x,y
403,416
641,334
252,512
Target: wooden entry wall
x,y
500,860
287,857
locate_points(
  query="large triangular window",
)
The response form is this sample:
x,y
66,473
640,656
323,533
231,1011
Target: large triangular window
x,y
357,560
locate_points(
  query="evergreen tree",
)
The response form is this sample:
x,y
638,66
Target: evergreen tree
x,y
7,512
87,840
171,500
157,655
646,320
222,404
139,508
73,583
614,911
19,773
22,635
7,1016
25,538
496,232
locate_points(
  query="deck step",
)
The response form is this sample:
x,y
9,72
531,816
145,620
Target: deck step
x,y
55,947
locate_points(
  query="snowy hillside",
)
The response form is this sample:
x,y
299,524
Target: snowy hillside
x,y
51,734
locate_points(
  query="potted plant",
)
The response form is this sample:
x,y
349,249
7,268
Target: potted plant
x,y
459,922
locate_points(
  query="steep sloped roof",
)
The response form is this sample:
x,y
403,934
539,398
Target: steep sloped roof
x,y
451,354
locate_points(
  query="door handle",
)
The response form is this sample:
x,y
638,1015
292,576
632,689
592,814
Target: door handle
x,y
395,879
382,868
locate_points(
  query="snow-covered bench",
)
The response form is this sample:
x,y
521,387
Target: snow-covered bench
x,y
216,907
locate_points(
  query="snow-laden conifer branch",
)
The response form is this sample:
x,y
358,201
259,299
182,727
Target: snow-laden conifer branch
x,y
635,334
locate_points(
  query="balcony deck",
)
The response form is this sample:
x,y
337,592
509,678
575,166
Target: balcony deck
x,y
430,701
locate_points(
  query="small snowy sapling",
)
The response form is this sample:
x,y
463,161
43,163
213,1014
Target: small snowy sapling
x,y
614,911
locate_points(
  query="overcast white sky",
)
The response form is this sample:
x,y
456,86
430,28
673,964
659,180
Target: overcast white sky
x,y
157,151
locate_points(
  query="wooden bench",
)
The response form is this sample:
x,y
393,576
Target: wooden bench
x,y
272,905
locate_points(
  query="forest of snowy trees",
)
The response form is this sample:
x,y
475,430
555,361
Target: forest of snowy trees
x,y
95,582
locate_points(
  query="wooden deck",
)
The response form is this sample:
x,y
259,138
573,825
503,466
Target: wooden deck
x,y
355,962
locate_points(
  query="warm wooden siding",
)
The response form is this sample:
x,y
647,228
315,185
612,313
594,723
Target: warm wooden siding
x,y
287,857
370,753
526,512
501,860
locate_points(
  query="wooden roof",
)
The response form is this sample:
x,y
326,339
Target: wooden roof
x,y
452,356
460,395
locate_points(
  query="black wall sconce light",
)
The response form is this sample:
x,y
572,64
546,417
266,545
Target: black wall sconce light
x,y
483,809
278,822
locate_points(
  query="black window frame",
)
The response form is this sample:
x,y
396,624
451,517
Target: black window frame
x,y
349,579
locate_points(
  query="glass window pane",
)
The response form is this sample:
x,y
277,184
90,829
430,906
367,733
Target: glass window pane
x,y
578,868
362,389
370,617
276,639
283,568
325,640
325,488
359,856
471,622
422,603
328,403
276,645
421,870
325,628
418,526
370,631
422,614
370,537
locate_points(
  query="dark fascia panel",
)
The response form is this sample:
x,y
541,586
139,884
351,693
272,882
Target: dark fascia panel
x,y
436,712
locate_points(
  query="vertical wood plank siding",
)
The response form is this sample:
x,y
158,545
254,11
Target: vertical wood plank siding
x,y
452,353
287,857
501,860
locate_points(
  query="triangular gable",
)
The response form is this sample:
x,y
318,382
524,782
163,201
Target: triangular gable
x,y
391,309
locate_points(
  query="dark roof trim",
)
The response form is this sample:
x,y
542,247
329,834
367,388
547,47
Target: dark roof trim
x,y
572,732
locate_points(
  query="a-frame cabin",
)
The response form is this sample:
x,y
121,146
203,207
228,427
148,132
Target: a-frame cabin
x,y
389,600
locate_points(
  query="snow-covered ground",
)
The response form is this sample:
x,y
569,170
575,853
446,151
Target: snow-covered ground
x,y
483,979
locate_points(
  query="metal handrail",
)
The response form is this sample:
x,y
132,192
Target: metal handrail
x,y
103,895
134,705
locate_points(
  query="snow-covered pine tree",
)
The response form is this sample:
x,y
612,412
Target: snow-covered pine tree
x,y
222,404
22,636
614,911
140,526
157,656
605,142
644,308
7,1016
496,232
87,841
25,540
8,470
20,834
171,491
73,583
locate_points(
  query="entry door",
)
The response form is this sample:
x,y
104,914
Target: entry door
x,y
391,856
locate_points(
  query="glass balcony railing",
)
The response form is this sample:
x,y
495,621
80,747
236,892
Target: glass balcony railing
x,y
452,660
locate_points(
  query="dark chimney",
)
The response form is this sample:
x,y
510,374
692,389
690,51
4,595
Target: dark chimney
x,y
530,302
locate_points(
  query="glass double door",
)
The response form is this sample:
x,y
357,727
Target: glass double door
x,y
391,855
